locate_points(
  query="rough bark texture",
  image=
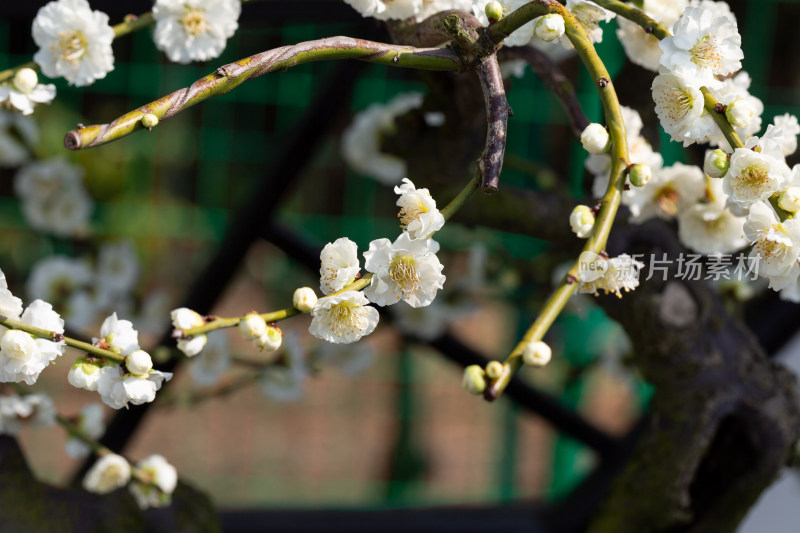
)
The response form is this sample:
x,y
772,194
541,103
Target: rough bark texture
x,y
725,417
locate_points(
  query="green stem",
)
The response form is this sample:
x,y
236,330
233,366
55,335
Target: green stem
x,y
719,117
54,336
610,201
74,431
455,204
130,24
635,15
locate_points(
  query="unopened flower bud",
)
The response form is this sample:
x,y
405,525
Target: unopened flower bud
x,y
149,120
139,363
252,326
740,113
789,200
270,340
549,27
304,299
18,345
494,369
639,174
716,163
582,221
536,354
25,80
494,11
474,381
595,139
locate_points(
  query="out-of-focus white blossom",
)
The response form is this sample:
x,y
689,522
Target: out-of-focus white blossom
x,y
283,383
18,134
34,410
670,190
194,30
25,91
708,227
213,361
642,47
90,424
716,163
536,353
270,340
581,220
162,477
474,380
74,42
108,473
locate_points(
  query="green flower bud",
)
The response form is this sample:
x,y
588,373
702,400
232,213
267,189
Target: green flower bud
x,y
494,11
494,369
149,120
474,381
639,174
716,163
789,199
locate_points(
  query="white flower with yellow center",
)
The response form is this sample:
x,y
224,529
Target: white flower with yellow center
x,y
194,30
343,318
407,269
681,108
418,214
109,473
613,275
23,357
670,190
710,43
340,265
776,244
752,176
74,42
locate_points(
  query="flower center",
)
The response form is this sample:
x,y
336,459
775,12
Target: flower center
x,y
110,477
346,316
706,54
589,16
194,21
753,178
667,199
410,213
403,271
679,104
72,45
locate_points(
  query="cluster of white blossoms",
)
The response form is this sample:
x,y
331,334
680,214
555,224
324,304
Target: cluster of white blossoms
x,y
33,410
86,292
24,91
194,30
610,275
22,356
406,269
549,28
132,382
406,9
151,482
54,199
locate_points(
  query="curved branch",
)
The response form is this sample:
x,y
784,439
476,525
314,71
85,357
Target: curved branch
x,y
635,15
230,76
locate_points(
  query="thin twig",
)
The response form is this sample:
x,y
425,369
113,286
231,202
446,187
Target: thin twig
x,y
232,75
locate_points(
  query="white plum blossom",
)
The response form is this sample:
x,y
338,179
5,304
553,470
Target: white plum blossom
x,y
387,9
670,190
609,275
117,269
162,477
85,373
25,91
711,44
23,357
340,265
776,245
90,424
182,319
212,362
74,42
581,220
107,474
10,305
119,335
595,139
522,35
590,15
418,214
549,27
139,363
54,198
361,141
680,107
343,318
753,176
57,279
734,92
709,227
117,390
351,360
34,410
252,326
270,340
283,383
304,299
194,30
790,128
406,269
641,47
